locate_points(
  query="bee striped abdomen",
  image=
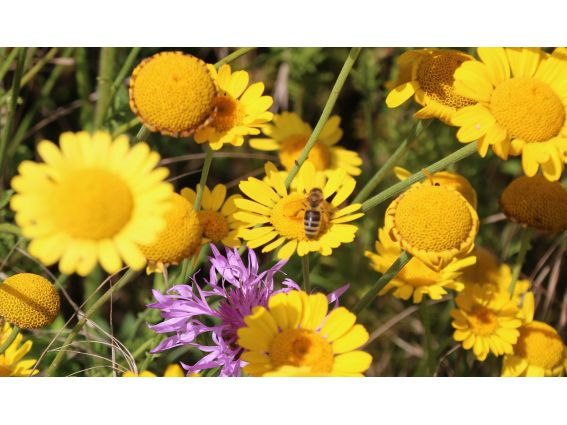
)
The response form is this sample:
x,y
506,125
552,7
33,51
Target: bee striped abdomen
x,y
312,223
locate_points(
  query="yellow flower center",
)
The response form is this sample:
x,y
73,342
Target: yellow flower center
x,y
29,301
416,273
540,344
215,225
173,93
230,113
287,216
181,237
434,218
292,146
536,202
92,203
302,347
528,109
482,321
435,77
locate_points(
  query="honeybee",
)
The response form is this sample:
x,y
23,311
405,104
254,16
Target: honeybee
x,y
314,215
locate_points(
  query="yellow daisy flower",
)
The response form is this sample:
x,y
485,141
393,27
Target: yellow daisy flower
x,y
434,223
173,93
180,239
240,111
536,202
281,212
142,374
522,97
415,278
427,74
489,270
29,301
445,178
171,371
11,363
94,199
486,321
540,351
289,134
297,336
217,215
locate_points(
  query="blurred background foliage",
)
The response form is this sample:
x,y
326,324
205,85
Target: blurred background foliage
x,y
59,94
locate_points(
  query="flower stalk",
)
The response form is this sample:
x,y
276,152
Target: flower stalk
x,y
10,339
371,294
440,165
329,105
107,56
524,247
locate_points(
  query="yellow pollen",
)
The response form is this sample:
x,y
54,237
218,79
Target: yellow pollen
x,y
173,93
230,113
434,218
287,216
528,109
540,344
483,321
92,203
215,225
435,77
29,301
416,273
292,146
302,347
536,202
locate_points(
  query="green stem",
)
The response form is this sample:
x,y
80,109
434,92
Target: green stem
x,y
371,294
106,66
414,134
10,339
398,188
186,265
347,66
40,64
83,84
427,347
305,267
126,126
233,56
126,278
143,134
8,62
125,70
524,246
15,92
10,228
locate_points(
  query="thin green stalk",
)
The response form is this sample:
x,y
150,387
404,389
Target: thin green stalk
x,y
233,56
39,65
14,93
126,126
305,267
106,66
186,265
143,134
524,246
427,346
124,70
371,294
347,66
413,135
10,339
398,188
8,62
83,84
126,278
10,228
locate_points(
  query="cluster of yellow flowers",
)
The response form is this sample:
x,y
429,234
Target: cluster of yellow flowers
x,y
94,200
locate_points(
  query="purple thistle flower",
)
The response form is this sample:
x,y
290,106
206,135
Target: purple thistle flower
x,y
240,289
